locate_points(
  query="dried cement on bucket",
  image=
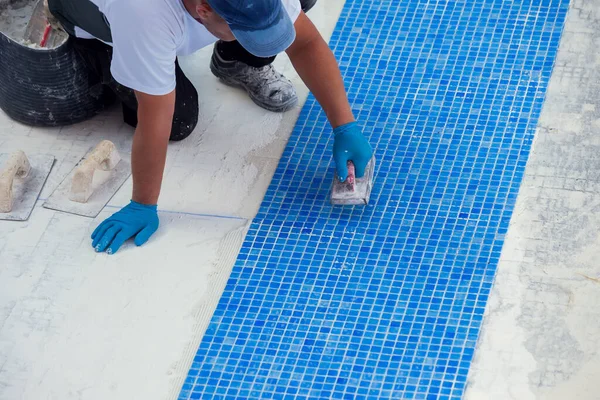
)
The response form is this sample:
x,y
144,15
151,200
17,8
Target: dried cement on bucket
x,y
14,17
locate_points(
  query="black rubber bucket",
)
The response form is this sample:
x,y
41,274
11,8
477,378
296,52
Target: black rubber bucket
x,y
47,87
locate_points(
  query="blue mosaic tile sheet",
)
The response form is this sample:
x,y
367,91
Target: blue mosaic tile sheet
x,y
386,301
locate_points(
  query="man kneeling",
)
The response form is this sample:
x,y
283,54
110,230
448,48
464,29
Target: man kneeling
x,y
133,46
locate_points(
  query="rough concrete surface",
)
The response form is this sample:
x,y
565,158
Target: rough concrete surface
x,y
541,335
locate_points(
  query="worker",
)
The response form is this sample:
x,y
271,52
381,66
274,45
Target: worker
x,y
133,45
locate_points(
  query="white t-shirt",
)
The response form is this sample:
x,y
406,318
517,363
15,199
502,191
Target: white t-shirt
x,y
147,37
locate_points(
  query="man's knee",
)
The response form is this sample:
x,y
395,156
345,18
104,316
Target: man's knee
x,y
182,128
186,113
307,4
184,122
185,118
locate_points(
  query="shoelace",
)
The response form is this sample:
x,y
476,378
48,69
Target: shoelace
x,y
266,74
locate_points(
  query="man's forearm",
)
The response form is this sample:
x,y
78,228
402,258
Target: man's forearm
x,y
150,142
317,66
148,157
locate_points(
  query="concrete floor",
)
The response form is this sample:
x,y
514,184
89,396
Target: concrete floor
x,y
541,335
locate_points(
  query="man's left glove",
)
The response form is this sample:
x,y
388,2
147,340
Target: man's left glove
x,y
135,219
350,145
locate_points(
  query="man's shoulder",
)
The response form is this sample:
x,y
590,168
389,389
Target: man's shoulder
x,y
143,11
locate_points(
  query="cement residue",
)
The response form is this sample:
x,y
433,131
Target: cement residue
x,y
14,18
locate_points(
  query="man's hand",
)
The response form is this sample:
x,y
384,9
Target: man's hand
x,y
350,145
135,219
148,155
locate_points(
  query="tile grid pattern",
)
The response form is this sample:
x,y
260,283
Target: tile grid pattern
x,y
386,301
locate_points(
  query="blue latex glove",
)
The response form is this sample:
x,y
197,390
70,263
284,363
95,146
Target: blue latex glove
x,y
135,219
350,145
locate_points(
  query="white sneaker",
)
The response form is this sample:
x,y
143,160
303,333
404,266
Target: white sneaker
x,y
266,87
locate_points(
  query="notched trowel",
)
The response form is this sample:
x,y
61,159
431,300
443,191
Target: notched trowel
x,y
92,183
41,28
353,191
22,178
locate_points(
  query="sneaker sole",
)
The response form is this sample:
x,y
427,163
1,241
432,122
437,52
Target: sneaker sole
x,y
233,83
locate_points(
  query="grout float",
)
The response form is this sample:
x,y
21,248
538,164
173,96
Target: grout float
x,y
17,166
104,157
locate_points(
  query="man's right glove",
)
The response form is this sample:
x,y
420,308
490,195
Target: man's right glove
x,y
350,145
135,219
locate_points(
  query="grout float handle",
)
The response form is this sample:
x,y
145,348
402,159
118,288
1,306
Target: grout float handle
x,y
351,179
17,166
105,157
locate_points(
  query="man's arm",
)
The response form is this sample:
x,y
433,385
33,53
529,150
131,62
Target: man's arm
x,y
150,141
316,65
139,218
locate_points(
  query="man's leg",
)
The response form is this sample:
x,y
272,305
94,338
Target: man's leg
x,y
185,116
98,56
235,66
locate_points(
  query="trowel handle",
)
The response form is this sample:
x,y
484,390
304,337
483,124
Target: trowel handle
x,y
46,34
105,156
351,172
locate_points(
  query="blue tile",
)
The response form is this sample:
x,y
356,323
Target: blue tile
x,y
386,301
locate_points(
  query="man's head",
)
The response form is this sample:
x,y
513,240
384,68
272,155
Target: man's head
x,y
262,27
